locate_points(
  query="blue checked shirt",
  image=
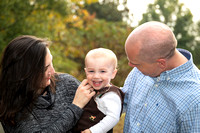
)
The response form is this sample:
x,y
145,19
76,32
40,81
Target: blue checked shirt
x,y
169,103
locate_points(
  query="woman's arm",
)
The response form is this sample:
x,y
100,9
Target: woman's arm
x,y
65,111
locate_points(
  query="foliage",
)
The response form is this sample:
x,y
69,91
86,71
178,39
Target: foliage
x,y
196,46
74,30
19,17
84,32
107,11
176,16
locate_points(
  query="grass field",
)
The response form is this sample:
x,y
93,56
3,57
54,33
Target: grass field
x,y
1,129
119,127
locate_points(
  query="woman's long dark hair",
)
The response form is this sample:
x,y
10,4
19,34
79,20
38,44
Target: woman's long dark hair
x,y
21,72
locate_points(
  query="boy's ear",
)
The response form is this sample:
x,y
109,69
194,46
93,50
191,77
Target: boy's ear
x,y
114,73
85,70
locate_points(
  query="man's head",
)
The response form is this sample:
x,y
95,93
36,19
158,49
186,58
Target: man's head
x,y
149,46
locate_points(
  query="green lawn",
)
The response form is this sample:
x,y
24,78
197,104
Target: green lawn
x,y
1,129
119,127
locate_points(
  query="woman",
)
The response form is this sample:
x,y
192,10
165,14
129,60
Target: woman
x,y
33,98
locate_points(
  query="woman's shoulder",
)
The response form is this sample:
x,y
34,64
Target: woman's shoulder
x,y
66,78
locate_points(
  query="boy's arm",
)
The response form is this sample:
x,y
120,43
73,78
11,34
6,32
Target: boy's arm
x,y
110,105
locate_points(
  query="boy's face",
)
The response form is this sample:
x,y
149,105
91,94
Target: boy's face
x,y
99,72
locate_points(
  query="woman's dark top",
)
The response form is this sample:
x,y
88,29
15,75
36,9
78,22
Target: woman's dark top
x,y
53,113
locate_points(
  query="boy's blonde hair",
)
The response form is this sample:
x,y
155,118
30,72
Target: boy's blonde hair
x,y
102,52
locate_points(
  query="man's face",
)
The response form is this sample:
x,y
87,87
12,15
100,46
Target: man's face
x,y
149,69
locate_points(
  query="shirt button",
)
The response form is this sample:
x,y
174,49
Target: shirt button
x,y
156,85
138,124
158,78
145,104
168,78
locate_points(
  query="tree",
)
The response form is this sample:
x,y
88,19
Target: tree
x,y
19,17
179,19
109,10
73,32
84,32
172,13
196,46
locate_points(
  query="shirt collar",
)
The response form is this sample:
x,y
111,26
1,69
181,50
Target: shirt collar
x,y
170,74
47,100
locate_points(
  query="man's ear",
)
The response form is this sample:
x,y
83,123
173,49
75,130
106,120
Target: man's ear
x,y
162,63
114,73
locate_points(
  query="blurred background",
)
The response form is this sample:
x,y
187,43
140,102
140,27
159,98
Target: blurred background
x,y
77,26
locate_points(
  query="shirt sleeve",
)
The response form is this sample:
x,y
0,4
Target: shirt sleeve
x,y
191,120
127,84
128,81
110,105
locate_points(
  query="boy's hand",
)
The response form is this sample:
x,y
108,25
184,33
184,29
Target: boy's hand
x,y
86,131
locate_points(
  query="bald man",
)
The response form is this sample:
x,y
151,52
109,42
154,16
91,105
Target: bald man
x,y
163,88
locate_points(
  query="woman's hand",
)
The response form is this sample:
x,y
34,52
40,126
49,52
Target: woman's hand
x,y
83,94
86,131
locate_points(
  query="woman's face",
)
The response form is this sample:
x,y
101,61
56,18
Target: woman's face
x,y
49,69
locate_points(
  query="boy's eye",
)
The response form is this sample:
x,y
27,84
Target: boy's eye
x,y
103,71
90,71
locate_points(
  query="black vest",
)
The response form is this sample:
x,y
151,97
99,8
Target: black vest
x,y
92,115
